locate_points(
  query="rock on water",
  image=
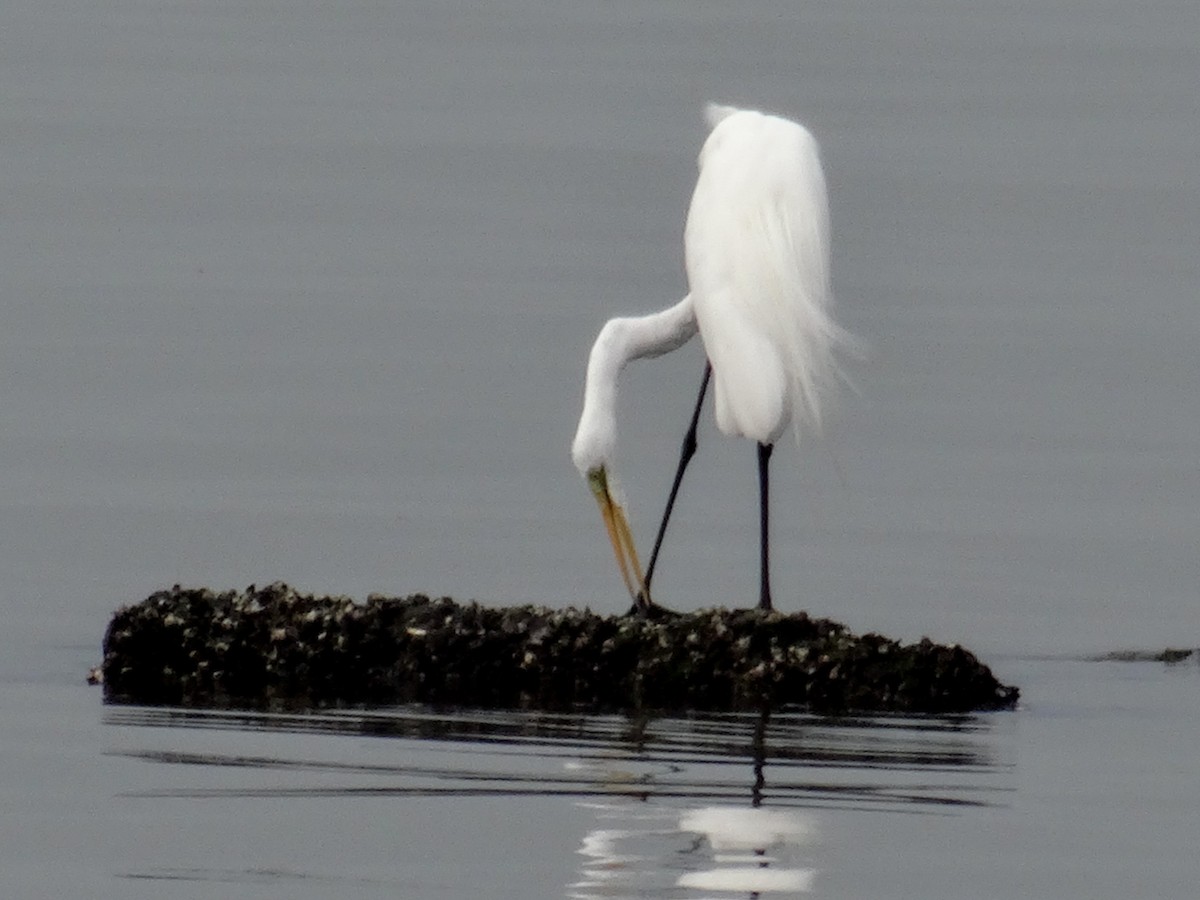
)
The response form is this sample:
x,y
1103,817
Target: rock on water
x,y
276,647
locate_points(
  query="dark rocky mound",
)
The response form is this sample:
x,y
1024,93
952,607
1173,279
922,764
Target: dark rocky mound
x,y
275,647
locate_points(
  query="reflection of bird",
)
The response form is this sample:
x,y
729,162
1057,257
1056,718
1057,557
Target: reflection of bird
x,y
739,838
757,253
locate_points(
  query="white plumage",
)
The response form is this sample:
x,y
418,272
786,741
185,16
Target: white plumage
x,y
756,248
757,252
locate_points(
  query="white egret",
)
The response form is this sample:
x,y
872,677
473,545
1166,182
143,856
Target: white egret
x,y
756,247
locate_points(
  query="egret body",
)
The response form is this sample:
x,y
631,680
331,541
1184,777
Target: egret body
x,y
756,249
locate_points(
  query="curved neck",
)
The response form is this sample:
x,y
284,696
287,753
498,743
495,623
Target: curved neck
x,y
620,341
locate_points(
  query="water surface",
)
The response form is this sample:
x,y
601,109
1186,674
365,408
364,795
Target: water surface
x,y
1087,791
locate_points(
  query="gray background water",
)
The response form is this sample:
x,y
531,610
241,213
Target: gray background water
x,y
304,291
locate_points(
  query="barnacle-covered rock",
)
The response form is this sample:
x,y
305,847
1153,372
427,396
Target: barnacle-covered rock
x,y
275,647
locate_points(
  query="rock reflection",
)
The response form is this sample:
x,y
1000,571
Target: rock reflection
x,y
686,808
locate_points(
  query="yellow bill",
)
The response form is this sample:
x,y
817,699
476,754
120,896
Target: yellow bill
x,y
621,536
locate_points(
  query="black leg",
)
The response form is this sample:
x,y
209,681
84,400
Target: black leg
x,y
758,753
685,456
764,593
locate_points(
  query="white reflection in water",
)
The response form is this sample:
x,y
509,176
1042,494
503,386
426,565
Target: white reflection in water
x,y
623,857
747,828
739,839
755,881
641,851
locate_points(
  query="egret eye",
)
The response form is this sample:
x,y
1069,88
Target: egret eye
x,y
598,480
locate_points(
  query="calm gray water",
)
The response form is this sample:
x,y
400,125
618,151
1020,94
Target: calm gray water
x,y
304,291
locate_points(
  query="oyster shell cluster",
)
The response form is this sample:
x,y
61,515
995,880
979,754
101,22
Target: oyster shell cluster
x,y
276,647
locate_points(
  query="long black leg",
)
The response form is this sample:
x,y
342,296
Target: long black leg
x,y
764,593
685,456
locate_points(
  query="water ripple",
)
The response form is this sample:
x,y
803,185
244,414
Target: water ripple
x,y
899,763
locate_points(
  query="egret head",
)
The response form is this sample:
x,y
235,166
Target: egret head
x,y
595,440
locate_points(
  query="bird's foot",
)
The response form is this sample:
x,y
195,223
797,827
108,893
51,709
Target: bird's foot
x,y
651,612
